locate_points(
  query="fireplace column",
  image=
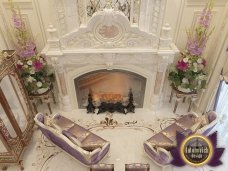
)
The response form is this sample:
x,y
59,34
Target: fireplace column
x,y
159,82
165,44
54,56
61,81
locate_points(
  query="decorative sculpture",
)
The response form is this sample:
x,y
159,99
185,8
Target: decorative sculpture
x,y
90,107
111,106
130,107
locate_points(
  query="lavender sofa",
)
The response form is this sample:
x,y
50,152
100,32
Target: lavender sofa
x,y
158,146
89,148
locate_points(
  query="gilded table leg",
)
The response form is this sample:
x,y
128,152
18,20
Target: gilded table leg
x,y
184,99
190,106
49,107
175,107
53,96
34,106
21,165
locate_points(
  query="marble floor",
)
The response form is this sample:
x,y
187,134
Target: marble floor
x,y
41,155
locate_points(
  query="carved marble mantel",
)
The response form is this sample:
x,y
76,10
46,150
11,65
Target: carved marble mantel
x,y
109,42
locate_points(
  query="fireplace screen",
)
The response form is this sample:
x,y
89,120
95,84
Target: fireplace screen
x,y
110,86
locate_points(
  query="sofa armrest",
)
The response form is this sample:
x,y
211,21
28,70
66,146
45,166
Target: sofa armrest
x,y
97,155
212,118
159,155
205,130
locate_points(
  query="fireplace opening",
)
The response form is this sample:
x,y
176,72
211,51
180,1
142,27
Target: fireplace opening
x,y
110,86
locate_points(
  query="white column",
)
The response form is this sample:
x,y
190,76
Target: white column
x,y
53,14
53,40
142,17
82,6
54,53
72,16
165,39
132,12
158,87
64,97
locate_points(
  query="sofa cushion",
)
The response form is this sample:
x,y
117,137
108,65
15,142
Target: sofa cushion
x,y
196,126
72,138
92,142
171,131
79,132
202,119
160,140
186,121
47,121
62,123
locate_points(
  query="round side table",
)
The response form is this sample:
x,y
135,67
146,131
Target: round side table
x,y
182,96
44,97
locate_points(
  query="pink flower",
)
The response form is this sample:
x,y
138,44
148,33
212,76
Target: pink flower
x,y
181,65
204,62
19,67
38,65
24,53
17,22
195,48
30,46
205,17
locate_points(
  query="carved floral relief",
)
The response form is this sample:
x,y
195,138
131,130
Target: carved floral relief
x,y
108,31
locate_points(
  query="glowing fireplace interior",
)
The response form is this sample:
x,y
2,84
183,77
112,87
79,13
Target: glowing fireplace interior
x,y
110,86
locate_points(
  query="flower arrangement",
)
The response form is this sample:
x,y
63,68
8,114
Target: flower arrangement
x,y
35,74
23,42
189,73
32,67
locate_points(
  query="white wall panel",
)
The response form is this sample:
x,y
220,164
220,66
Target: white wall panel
x,y
183,14
173,16
29,15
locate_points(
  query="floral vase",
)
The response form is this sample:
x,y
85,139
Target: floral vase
x,y
184,90
42,90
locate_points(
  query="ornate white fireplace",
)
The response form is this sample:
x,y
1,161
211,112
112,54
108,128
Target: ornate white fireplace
x,y
110,40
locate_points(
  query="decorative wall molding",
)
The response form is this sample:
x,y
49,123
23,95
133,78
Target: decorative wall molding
x,y
151,16
41,20
178,22
3,41
23,5
82,12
